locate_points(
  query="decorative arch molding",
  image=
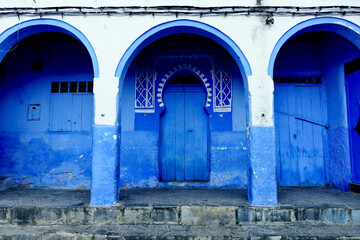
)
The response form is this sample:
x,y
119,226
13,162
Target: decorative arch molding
x,y
16,33
173,72
183,26
343,27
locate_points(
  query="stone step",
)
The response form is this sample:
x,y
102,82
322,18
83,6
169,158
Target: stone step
x,y
180,215
177,232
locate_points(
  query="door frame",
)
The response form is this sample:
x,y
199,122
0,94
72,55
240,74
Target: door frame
x,y
201,85
324,137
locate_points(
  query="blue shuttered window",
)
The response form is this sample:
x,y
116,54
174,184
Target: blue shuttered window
x,y
71,107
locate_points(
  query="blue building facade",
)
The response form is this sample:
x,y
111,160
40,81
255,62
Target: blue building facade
x,y
189,141
185,115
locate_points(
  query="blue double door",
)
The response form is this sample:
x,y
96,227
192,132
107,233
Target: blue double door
x,y
184,134
353,104
300,123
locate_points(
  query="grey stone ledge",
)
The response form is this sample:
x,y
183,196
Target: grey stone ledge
x,y
179,215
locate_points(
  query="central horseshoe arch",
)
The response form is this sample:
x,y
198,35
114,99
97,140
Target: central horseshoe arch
x,y
173,72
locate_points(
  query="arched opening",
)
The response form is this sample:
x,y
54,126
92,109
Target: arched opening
x,y
184,127
205,115
312,103
46,90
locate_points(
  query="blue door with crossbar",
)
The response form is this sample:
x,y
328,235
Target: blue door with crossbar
x,y
353,104
300,122
184,134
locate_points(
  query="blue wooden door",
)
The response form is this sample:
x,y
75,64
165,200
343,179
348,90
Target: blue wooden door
x,y
353,103
300,134
184,134
71,112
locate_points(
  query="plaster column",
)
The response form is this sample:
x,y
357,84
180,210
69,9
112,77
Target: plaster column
x,y
262,188
105,164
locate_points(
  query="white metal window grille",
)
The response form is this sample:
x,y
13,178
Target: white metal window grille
x,y
145,86
222,84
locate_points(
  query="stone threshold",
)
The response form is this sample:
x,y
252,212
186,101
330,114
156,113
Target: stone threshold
x,y
180,215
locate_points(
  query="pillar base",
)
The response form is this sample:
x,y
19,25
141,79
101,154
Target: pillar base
x,y
105,166
262,189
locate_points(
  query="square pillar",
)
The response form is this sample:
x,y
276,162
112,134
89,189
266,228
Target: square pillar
x,y
262,188
105,166
262,185
106,142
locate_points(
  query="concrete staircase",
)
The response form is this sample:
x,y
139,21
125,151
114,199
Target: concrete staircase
x,y
179,214
180,222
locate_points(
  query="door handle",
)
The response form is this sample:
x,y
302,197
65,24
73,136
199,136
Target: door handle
x,y
189,130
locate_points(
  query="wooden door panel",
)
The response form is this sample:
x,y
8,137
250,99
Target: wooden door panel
x,y
87,112
311,161
61,111
77,112
287,135
180,135
189,135
300,142
168,166
201,167
184,135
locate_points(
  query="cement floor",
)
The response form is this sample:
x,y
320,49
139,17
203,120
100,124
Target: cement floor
x,y
296,197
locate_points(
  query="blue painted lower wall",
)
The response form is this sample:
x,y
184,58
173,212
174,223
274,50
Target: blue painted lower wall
x,y
338,165
44,159
139,164
105,165
262,189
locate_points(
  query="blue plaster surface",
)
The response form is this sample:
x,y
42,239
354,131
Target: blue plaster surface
x,y
139,166
338,163
105,165
39,159
229,163
306,62
262,188
147,122
127,101
239,101
30,154
333,62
